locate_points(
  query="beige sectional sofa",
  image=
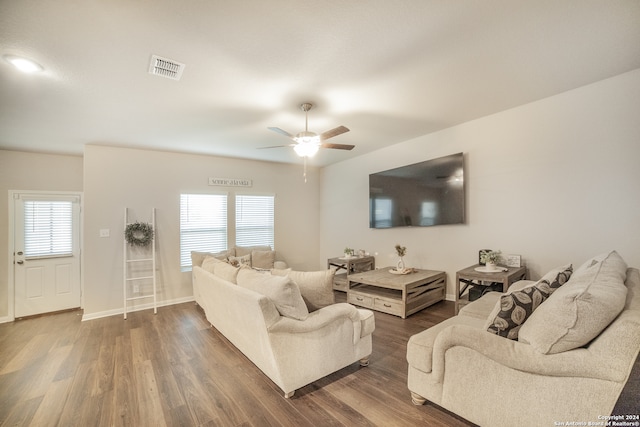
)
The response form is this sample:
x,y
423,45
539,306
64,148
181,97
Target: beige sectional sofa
x,y
567,360
285,322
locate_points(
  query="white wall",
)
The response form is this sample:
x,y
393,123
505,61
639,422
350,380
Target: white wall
x,y
116,178
30,171
555,181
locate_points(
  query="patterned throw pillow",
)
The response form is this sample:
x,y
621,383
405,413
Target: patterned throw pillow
x,y
516,307
239,261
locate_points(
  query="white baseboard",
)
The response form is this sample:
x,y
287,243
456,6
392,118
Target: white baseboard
x,y
5,319
120,311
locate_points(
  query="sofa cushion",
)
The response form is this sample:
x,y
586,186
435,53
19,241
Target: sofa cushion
x,y
515,307
198,257
282,291
316,287
263,259
481,307
577,312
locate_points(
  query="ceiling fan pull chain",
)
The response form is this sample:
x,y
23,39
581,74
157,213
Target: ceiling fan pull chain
x,y
305,169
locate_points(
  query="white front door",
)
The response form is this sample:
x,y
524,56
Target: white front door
x,y
46,253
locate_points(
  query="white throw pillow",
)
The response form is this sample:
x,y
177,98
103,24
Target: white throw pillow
x,y
226,271
282,291
208,263
577,312
316,287
592,261
198,257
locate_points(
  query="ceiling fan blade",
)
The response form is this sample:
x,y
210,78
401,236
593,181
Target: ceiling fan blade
x,y
276,146
333,132
337,146
280,131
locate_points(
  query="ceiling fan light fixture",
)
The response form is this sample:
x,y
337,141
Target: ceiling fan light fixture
x,y
307,137
306,149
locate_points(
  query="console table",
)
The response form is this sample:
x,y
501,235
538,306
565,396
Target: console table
x,y
397,294
350,265
469,276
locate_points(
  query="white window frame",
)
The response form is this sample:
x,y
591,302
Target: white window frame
x,y
255,219
203,223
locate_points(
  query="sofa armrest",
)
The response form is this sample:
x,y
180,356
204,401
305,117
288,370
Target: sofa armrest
x,y
280,265
317,319
511,354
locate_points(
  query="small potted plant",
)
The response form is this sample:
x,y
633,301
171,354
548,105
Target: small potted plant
x,y
348,252
491,259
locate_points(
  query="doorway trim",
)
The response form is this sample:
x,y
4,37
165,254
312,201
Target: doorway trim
x,y
11,235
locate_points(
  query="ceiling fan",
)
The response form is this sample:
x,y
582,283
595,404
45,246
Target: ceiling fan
x,y
307,143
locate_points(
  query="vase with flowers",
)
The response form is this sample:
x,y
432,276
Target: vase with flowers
x,y
401,251
491,259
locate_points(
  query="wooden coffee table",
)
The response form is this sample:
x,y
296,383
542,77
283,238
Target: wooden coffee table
x,y
400,295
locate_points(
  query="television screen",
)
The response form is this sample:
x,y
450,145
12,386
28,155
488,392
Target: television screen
x,y
418,195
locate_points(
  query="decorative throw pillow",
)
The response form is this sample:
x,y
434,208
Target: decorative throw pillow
x,y
226,271
516,306
239,261
263,259
591,262
209,262
282,291
316,287
198,257
579,311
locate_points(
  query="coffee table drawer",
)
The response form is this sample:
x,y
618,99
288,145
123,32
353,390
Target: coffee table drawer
x,y
340,282
387,306
359,299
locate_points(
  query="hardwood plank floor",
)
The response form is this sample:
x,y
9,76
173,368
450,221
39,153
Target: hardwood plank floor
x,y
174,369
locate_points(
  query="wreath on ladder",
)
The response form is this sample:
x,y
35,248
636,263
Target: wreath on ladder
x,y
138,234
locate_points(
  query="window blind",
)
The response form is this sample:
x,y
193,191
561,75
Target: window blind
x,y
203,224
48,228
254,220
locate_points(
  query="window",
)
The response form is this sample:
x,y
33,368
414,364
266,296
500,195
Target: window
x,y
254,220
48,229
203,225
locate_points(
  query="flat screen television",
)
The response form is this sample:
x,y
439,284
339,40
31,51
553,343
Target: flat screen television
x,y
418,195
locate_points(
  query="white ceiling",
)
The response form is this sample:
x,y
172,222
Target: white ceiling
x,y
389,71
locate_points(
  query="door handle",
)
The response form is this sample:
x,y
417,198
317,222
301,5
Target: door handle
x,y
20,262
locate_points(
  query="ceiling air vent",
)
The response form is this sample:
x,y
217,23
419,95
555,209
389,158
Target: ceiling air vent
x,y
166,67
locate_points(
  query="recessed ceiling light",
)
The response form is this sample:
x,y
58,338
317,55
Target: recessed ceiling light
x,y
23,64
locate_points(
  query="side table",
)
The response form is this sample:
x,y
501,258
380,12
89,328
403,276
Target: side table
x,y
350,265
469,276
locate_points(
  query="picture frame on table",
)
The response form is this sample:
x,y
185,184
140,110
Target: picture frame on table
x,y
513,261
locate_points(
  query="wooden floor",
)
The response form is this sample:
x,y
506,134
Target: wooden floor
x,y
173,369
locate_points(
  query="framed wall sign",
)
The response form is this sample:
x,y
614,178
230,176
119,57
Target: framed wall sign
x,y
513,260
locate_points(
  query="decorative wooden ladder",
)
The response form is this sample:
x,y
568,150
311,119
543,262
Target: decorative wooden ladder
x,y
129,280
